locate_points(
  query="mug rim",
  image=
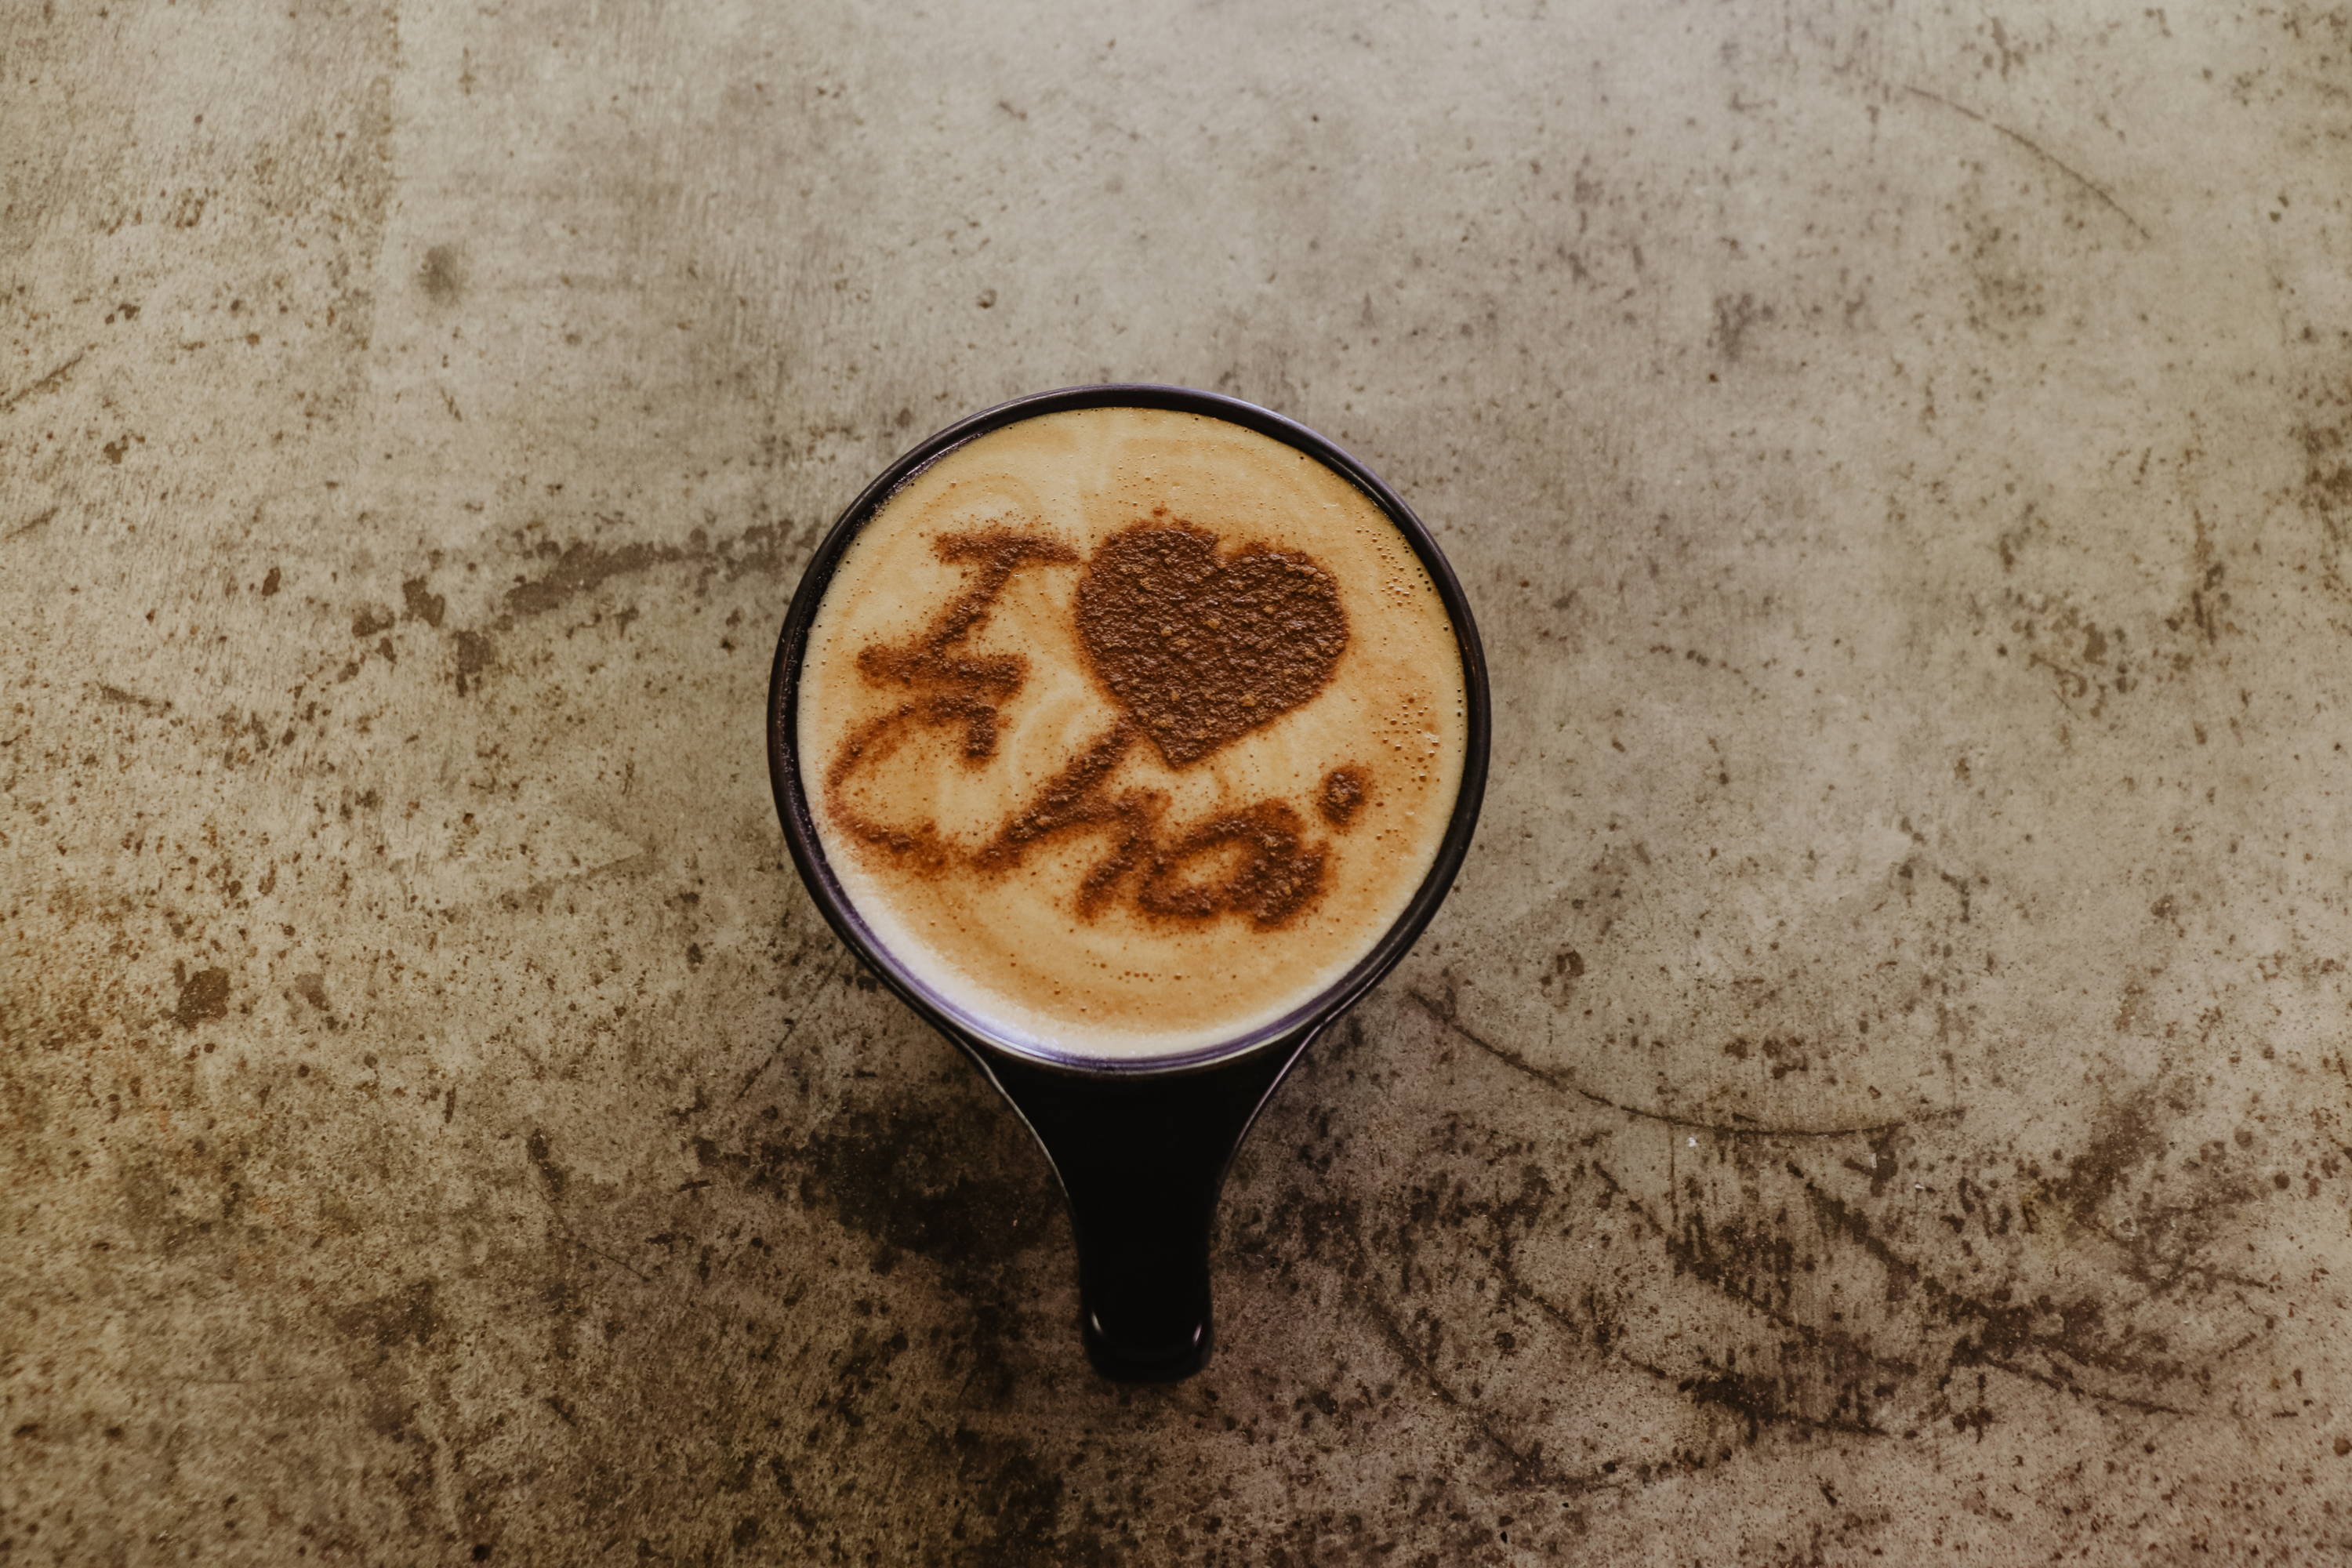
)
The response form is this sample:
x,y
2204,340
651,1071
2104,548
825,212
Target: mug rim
x,y
966,1028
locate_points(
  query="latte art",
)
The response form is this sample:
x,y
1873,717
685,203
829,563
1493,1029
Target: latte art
x,y
1127,731
1202,651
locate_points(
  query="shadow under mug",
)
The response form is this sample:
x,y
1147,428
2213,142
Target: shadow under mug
x,y
1141,1147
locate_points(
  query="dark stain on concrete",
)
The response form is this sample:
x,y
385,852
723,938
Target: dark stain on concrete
x,y
2324,435
556,1177
312,986
406,1316
1736,315
1022,1518
203,995
581,566
1761,1399
476,654
954,1189
442,273
422,603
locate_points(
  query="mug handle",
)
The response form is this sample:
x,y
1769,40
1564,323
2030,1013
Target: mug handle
x,y
1142,1157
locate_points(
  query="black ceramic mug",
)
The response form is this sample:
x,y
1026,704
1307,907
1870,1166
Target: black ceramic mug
x,y
1141,1146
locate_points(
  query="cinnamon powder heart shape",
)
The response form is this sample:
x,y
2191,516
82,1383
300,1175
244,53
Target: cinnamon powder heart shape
x,y
1199,650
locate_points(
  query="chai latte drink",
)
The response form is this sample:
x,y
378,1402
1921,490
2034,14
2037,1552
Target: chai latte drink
x,y
1128,731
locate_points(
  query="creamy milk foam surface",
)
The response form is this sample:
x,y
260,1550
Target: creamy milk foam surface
x,y
1128,731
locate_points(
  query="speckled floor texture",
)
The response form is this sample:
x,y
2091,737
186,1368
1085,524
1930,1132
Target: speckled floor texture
x,y
1878,1091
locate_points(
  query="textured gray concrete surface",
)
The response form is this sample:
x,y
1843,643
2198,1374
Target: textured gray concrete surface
x,y
1879,1090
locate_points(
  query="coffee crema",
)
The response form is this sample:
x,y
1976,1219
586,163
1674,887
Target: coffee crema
x,y
1128,731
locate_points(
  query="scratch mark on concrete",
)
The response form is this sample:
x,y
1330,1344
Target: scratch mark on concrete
x,y
121,698
22,529
1561,1081
618,1262
44,385
753,1076
1833,1340
1526,1465
2102,1396
2039,152
1999,1326
1753,1399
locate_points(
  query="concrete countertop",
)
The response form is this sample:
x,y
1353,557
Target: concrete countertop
x,y
1878,1091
